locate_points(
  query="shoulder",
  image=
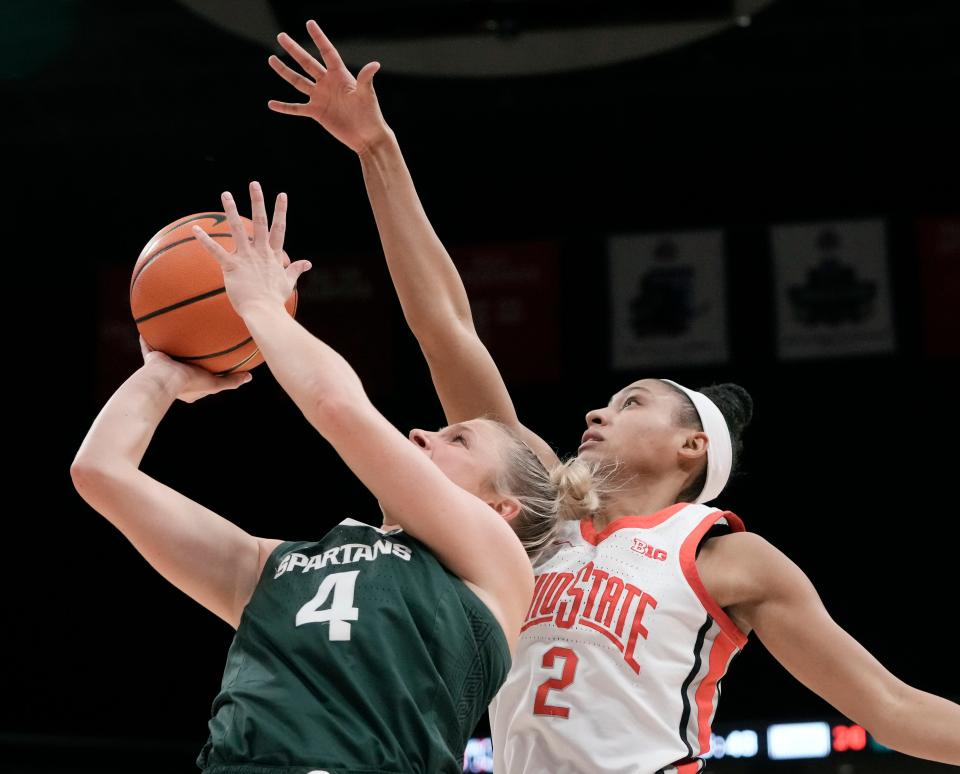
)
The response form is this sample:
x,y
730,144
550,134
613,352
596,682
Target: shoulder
x,y
744,567
745,545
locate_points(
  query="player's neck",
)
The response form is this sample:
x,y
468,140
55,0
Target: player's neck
x,y
636,498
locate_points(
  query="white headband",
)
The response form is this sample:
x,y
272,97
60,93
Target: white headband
x,y
720,448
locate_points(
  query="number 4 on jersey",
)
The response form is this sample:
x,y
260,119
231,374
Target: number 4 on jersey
x,y
341,609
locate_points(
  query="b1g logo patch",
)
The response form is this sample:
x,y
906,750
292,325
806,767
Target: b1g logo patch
x,y
645,549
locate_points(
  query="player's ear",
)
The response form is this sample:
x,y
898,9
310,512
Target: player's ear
x,y
694,446
508,507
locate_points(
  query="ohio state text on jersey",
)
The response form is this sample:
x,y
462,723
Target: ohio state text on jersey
x,y
621,654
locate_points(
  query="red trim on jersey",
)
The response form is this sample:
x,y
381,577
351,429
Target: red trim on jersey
x,y
720,654
688,768
688,563
590,534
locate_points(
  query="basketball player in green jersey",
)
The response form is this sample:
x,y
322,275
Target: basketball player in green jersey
x,y
370,650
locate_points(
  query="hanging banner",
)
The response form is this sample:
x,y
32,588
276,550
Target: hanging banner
x,y
939,253
667,299
832,289
514,297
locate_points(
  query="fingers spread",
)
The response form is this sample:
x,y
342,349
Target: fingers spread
x,y
365,76
331,58
301,84
233,218
260,224
298,268
290,108
211,245
278,228
310,65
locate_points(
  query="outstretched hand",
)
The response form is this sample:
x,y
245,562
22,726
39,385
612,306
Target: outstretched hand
x,y
257,272
345,106
193,382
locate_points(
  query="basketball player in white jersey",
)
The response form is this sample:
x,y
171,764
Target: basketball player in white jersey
x,y
636,612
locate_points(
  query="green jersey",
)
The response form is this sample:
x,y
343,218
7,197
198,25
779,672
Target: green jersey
x,y
358,653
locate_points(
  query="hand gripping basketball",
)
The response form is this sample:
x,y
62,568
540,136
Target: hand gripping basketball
x,y
192,381
257,272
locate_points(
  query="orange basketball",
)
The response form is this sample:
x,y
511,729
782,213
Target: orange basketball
x,y
179,302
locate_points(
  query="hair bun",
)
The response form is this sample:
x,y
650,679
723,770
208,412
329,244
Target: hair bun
x,y
578,494
734,403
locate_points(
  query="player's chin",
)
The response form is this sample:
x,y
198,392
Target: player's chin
x,y
591,451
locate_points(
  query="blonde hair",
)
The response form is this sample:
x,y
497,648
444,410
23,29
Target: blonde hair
x,y
578,487
569,492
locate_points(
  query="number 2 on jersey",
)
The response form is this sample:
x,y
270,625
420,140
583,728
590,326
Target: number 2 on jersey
x,y
341,609
540,706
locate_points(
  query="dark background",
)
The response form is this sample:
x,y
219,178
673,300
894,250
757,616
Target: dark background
x,y
121,117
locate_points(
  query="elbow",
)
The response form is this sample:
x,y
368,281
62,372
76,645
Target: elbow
x,y
88,481
321,413
88,474
884,717
443,337
437,319
83,473
335,415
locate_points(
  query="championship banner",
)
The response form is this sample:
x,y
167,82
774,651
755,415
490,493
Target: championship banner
x,y
667,299
832,289
514,295
939,253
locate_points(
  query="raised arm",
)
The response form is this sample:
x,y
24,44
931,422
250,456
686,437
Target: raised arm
x,y
211,560
431,292
775,598
416,494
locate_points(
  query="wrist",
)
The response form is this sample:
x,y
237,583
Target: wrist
x,y
166,375
261,308
376,143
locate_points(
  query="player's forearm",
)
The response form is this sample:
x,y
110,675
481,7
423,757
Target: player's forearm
x,y
307,369
125,426
922,725
427,282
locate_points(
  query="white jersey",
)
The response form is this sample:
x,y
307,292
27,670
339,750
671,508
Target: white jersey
x,y
619,661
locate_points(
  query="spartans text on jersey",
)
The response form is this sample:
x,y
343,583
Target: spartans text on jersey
x,y
345,554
